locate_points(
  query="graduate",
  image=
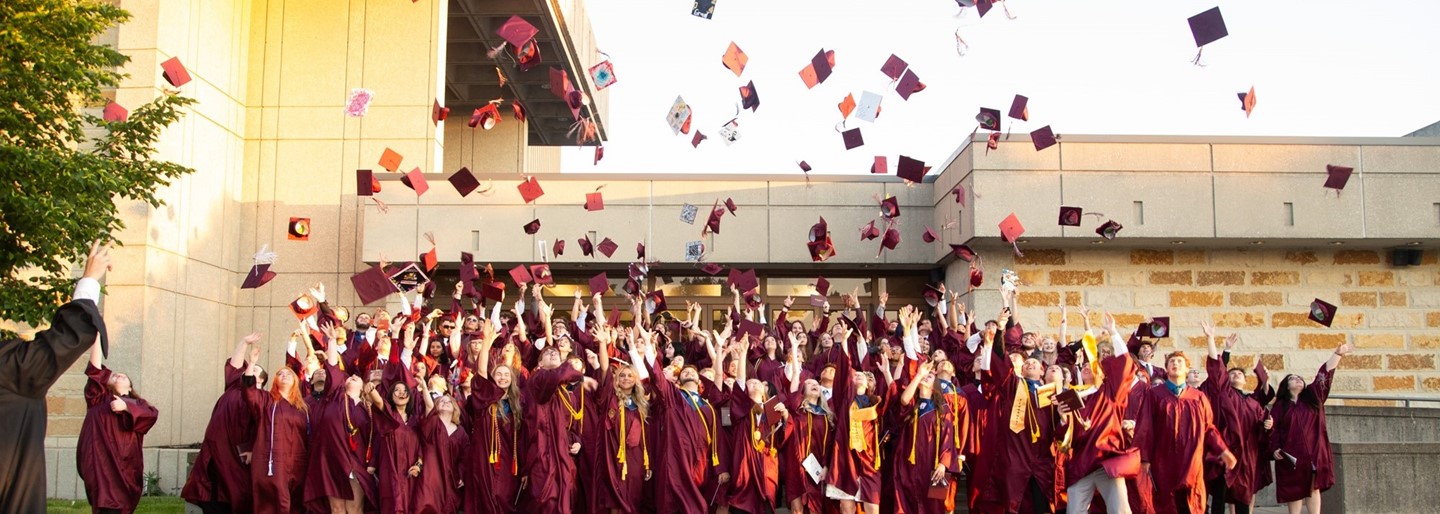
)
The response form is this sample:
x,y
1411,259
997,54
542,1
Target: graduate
x,y
689,427
754,457
1017,440
550,411
1178,430
337,479
1100,456
924,451
277,464
495,410
623,460
854,470
108,454
31,368
1243,424
396,416
219,480
443,446
1299,443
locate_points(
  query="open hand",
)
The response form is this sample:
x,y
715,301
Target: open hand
x,y
98,263
118,405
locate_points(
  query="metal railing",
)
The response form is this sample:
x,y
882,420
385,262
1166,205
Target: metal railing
x,y
1405,401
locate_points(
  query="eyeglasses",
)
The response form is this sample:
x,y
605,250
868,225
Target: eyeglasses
x,y
447,326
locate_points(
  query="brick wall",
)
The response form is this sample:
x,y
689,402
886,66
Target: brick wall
x,y
1392,315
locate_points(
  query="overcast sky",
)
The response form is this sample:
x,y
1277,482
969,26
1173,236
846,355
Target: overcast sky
x,y
1319,68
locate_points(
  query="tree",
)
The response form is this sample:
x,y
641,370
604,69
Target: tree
x,y
62,167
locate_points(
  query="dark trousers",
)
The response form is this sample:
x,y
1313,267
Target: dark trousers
x,y
1218,492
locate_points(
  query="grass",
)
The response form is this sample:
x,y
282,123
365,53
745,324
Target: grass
x,y
148,505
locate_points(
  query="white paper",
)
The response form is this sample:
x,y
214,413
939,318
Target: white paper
x,y
813,468
869,106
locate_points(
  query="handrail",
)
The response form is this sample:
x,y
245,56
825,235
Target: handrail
x,y
1404,400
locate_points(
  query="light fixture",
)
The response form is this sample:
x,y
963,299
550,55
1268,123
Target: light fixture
x,y
1177,242
1336,243
1257,243
1098,242
1413,243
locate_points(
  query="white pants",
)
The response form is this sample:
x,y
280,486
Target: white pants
x,y
1112,489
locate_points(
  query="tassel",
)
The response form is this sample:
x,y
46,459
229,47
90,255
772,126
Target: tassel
x,y
494,53
265,255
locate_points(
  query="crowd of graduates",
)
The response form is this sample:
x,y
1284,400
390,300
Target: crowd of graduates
x,y
509,407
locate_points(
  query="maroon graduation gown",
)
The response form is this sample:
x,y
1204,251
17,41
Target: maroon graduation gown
x,y
443,471
493,482
218,474
1015,458
277,468
853,469
926,440
754,463
616,486
1105,409
27,369
1180,429
689,432
397,450
1140,490
1300,431
340,444
978,470
108,455
1241,421
551,467
811,433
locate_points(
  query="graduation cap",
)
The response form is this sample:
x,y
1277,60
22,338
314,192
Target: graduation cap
x,y
1070,216
746,281
730,205
1018,109
959,192
751,328
631,287
639,251
542,275
599,284
299,229
911,169
909,84
753,301
989,119
749,98
175,73
1156,327
408,278
712,224
847,105
695,141
390,160
879,167
804,167
1109,229
365,183
594,201
1322,312
494,291
1247,101
259,275
586,247
929,236
530,189
467,267
517,31
1011,229
518,110
439,113
852,138
521,275
932,295
679,116
735,59
890,208
712,269
869,231
983,6
532,227
822,286
304,306
464,182
603,74
1337,176
963,252
820,246
655,302
1207,27
607,247
486,117
819,68
416,180
894,67
1043,138
891,239
371,285
869,106
115,112
559,248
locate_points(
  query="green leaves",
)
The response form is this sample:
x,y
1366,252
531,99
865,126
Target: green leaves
x,y
62,170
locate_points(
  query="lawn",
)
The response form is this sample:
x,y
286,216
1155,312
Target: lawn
x,y
148,505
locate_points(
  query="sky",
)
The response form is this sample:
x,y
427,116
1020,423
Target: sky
x,y
1319,68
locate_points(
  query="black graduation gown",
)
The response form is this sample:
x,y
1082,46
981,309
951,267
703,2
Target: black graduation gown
x,y
27,370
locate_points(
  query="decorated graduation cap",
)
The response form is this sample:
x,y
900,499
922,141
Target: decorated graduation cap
x,y
1337,176
1322,312
820,246
1070,216
533,226
1109,229
989,119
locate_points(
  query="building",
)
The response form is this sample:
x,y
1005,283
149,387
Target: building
x,y
1236,231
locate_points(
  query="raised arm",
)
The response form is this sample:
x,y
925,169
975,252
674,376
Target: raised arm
x,y
1064,323
1210,340
237,358
924,374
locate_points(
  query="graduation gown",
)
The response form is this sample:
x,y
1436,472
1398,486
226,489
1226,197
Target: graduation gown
x,y
218,474
854,467
754,457
1241,421
1105,409
397,450
1140,490
1300,431
444,469
811,434
277,468
1180,429
27,370
493,483
340,446
614,424
108,455
551,466
1015,458
689,433
927,440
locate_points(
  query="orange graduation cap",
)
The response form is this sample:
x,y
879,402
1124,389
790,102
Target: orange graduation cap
x,y
530,189
175,73
735,59
1011,229
847,105
390,160
1247,101
299,229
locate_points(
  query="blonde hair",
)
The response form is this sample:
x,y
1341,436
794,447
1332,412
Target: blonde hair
x,y
636,393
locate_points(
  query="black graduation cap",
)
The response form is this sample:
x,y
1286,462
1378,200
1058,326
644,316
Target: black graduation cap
x,y
1208,26
749,98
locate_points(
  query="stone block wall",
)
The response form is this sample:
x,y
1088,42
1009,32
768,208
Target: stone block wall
x,y
1391,315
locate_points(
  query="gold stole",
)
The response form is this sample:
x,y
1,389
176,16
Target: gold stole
x,y
858,417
